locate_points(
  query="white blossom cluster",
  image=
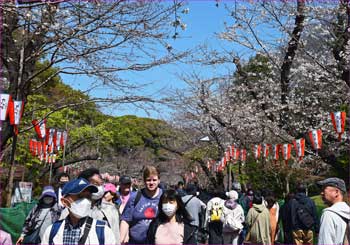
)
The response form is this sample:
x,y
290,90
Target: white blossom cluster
x,y
247,106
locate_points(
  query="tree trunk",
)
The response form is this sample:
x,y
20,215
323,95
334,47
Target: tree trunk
x,y
11,172
292,48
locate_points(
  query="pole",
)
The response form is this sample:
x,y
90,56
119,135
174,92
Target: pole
x,y
12,172
64,147
50,173
14,142
228,176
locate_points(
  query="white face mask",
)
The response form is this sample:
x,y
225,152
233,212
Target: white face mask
x,y
99,194
80,208
169,209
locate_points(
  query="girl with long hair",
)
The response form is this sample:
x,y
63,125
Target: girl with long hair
x,y
172,224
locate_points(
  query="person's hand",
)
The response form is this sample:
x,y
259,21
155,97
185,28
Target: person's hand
x,y
20,240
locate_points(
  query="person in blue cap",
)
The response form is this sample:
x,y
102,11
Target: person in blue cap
x,y
78,227
40,217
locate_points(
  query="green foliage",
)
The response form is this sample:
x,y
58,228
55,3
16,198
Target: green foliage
x,y
202,152
256,65
90,131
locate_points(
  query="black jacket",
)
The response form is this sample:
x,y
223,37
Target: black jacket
x,y
189,232
309,204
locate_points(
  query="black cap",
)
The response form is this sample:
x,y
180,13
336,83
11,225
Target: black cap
x,y
125,180
334,182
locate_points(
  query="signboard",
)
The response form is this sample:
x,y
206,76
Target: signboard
x,y
22,193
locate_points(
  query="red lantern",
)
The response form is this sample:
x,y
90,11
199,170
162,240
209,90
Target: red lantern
x,y
338,120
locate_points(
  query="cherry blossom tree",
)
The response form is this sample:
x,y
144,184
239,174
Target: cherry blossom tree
x,y
93,39
289,68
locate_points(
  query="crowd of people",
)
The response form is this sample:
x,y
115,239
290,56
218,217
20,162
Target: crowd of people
x,y
86,210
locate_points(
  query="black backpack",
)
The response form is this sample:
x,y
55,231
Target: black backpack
x,y
304,215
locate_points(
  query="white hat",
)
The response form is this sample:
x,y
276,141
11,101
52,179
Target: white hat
x,y
232,195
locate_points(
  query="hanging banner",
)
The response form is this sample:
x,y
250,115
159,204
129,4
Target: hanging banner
x,y
275,150
58,140
234,153
4,106
40,128
338,120
64,137
286,152
237,154
243,155
257,151
231,149
15,111
223,162
299,146
35,147
39,148
31,146
316,139
221,166
266,150
227,156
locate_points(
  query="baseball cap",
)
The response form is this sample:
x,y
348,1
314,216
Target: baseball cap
x,y
110,187
76,186
232,195
335,182
125,180
48,191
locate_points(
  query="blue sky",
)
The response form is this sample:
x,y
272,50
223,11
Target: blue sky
x,y
203,21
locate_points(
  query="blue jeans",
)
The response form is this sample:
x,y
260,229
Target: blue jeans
x,y
242,235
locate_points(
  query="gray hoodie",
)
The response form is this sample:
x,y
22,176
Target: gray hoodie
x,y
332,230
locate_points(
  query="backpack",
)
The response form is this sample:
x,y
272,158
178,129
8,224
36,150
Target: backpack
x,y
216,212
232,222
304,216
100,228
346,240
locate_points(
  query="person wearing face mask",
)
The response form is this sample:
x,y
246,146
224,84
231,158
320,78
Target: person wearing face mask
x,y
94,177
40,217
141,208
106,209
173,223
78,227
62,179
101,209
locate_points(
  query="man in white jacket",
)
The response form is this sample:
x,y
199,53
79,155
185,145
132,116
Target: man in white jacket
x,y
77,227
334,218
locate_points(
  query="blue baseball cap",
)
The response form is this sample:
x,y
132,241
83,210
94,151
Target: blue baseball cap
x,y
76,186
48,191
